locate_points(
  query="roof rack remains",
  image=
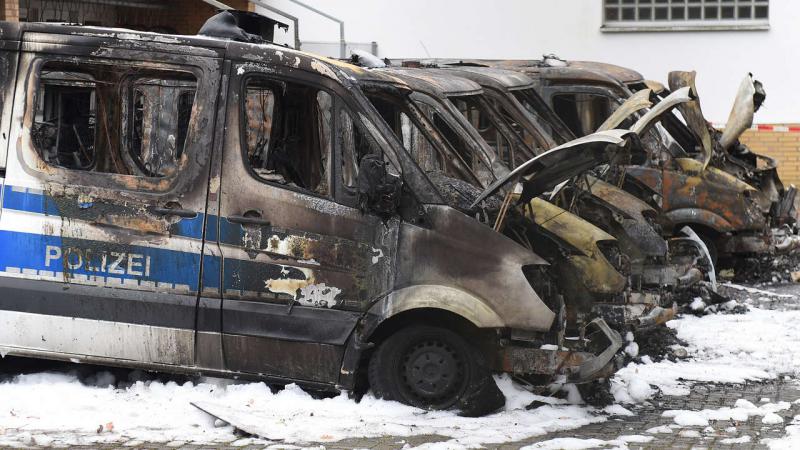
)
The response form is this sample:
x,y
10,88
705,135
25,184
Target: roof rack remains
x,y
243,26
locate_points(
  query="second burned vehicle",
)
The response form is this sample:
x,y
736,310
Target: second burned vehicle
x,y
652,271
593,272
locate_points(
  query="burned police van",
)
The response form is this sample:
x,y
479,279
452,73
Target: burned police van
x,y
220,205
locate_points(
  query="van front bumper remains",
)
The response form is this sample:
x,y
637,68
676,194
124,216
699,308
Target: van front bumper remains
x,y
635,316
594,359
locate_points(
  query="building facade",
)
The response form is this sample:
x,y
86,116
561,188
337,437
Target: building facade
x,y
721,39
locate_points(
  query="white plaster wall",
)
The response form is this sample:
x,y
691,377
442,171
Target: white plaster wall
x,y
571,29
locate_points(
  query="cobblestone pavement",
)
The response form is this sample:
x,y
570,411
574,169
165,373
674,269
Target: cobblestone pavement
x,y
703,396
707,396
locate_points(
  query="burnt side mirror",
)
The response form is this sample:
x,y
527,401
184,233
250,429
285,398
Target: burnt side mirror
x,y
379,191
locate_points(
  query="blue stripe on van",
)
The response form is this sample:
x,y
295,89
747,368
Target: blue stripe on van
x,y
48,255
20,199
29,252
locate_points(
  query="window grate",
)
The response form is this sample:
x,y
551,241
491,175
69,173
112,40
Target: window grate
x,y
685,14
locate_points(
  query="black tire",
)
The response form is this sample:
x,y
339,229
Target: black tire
x,y
433,368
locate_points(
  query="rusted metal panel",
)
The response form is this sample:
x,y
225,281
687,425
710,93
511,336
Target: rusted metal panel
x,y
636,102
598,275
705,200
692,112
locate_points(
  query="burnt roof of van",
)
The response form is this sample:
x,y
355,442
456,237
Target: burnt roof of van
x,y
619,73
103,41
435,82
14,30
587,70
571,70
493,77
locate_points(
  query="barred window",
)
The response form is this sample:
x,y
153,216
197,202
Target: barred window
x,y
679,15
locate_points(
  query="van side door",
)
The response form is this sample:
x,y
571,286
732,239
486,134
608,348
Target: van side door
x,y
301,263
105,200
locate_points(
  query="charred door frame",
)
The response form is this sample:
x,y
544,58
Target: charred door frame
x,y
279,337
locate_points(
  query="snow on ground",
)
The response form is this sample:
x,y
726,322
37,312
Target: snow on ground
x,y
789,442
580,444
740,412
756,291
56,408
725,348
49,408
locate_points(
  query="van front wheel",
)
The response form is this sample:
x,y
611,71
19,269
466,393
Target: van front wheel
x,y
433,368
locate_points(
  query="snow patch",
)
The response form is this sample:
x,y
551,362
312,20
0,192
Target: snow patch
x,y
724,348
771,419
69,413
631,390
752,290
739,440
687,418
790,441
663,429
741,411
697,304
579,444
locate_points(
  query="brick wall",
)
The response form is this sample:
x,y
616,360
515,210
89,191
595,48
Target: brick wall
x,y
181,16
187,16
9,10
783,146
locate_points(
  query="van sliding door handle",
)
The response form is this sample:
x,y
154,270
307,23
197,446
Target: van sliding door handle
x,y
249,219
166,211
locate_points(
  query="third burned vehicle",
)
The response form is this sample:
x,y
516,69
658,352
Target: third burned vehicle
x,y
736,202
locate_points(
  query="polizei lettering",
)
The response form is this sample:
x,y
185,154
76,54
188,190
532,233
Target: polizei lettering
x,y
89,260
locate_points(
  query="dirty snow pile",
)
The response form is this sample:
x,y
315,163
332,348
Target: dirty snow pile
x,y
580,444
724,348
57,409
790,441
741,411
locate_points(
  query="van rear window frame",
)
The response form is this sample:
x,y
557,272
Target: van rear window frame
x,y
33,161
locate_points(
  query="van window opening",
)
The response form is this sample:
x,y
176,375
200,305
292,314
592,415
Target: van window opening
x,y
287,133
491,128
355,143
542,115
112,119
582,113
429,155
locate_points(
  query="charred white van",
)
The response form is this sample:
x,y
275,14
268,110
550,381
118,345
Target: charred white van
x,y
208,205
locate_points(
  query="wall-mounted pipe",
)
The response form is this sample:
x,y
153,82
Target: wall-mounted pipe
x,y
342,43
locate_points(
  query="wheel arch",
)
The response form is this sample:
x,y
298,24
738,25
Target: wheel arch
x,y
436,305
437,298
701,217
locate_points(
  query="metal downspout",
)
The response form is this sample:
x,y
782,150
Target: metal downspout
x,y
342,43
